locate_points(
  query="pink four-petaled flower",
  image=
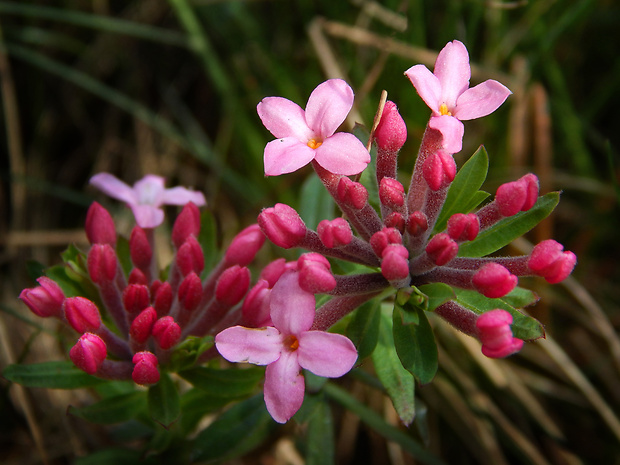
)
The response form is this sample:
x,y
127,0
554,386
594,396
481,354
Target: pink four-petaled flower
x,y
306,135
146,196
287,347
446,91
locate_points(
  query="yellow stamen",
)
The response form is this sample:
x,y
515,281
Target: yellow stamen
x,y
443,110
313,144
291,342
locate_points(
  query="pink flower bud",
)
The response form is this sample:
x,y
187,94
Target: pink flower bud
x,y
140,248
395,263
190,291
395,220
245,246
88,353
391,193
101,263
190,257
186,224
550,261
255,309
44,300
166,332
441,249
315,274
517,196
282,225
439,170
352,193
381,239
145,370
82,314
232,285
272,272
391,132
100,226
136,276
136,298
463,227
162,300
417,223
142,325
495,334
494,281
334,233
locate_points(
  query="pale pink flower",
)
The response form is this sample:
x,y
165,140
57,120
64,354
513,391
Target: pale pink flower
x,y
287,347
146,197
306,135
447,93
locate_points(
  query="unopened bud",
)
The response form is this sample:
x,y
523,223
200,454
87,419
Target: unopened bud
x,y
315,274
245,246
417,223
272,272
439,170
494,281
145,370
142,325
44,300
136,298
232,285
391,192
463,227
495,334
190,291
140,248
352,193
190,257
391,132
162,300
187,224
395,220
549,260
441,249
99,226
88,353
82,314
256,310
517,196
101,263
166,332
381,239
334,233
395,263
282,225
136,276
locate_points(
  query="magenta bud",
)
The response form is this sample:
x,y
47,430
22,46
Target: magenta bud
x,y
381,239
142,325
495,334
88,353
162,300
190,291
394,262
417,223
494,281
101,263
463,227
441,249
82,314
334,233
99,226
517,196
140,248
352,193
44,300
245,246
145,370
315,274
256,309
232,285
136,298
439,170
282,225
549,260
391,132
166,332
187,224
391,192
272,272
395,220
136,276
190,257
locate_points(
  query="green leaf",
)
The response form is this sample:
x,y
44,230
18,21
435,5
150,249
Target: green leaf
x,y
163,401
112,410
187,352
195,404
363,329
320,447
464,195
508,229
425,297
415,344
231,383
207,238
123,254
397,381
116,456
234,433
51,375
316,204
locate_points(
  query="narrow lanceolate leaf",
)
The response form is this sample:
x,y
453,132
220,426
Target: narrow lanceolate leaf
x,y
51,375
436,294
398,382
163,401
112,410
320,447
208,239
230,383
505,231
363,329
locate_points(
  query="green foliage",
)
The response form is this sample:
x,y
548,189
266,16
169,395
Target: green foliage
x,y
163,401
363,328
116,409
51,375
227,383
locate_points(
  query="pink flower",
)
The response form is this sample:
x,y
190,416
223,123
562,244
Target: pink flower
x,y
446,91
496,335
303,136
146,196
287,347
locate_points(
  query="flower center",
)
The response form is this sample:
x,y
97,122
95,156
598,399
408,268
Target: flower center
x,y
291,343
443,110
314,144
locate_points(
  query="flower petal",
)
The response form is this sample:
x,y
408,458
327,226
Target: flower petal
x,y
285,156
328,106
343,153
114,187
292,308
453,71
147,216
260,346
284,387
326,354
427,85
284,118
481,100
452,131
180,196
